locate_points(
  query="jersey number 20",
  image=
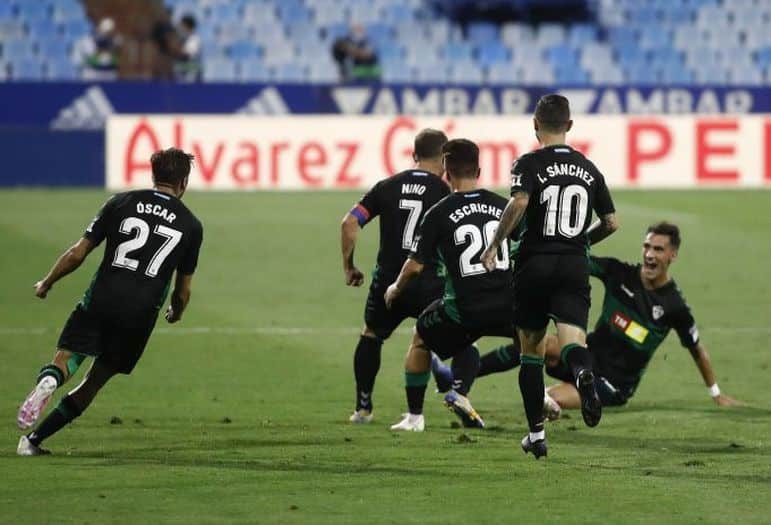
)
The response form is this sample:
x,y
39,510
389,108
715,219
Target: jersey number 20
x,y
560,205
480,240
142,229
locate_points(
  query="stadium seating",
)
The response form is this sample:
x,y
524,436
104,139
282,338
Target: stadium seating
x,y
663,41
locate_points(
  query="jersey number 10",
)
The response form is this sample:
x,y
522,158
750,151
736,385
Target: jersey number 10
x,y
560,203
142,229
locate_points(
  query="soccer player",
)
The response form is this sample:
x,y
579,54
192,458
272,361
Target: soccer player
x,y
475,302
642,304
554,188
401,201
149,234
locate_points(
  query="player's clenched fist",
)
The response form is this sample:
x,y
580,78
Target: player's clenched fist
x,y
488,258
41,289
353,277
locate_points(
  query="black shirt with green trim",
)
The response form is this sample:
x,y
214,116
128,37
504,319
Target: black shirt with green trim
x,y
635,321
148,236
401,202
564,187
456,231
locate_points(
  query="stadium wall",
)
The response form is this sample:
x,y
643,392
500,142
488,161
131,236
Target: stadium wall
x,y
52,134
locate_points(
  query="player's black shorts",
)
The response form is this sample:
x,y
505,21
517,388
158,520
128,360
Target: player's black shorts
x,y
413,300
611,391
552,286
445,336
115,340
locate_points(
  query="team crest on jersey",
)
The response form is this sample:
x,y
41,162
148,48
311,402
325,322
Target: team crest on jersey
x,y
657,312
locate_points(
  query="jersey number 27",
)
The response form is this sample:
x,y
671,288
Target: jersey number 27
x,y
142,233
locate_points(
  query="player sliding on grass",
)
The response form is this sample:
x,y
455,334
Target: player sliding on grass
x,y
642,304
401,202
149,234
555,188
475,302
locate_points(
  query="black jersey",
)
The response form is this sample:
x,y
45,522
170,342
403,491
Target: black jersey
x,y
401,202
635,321
564,187
456,231
149,235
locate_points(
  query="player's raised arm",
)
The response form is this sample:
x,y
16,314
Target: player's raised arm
x,y
67,263
349,231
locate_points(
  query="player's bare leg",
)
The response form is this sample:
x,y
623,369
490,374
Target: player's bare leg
x,y
417,371
531,386
366,364
51,377
574,354
70,407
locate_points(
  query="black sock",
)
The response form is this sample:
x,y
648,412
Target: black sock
x,y
416,390
501,359
465,366
53,371
577,358
531,386
64,412
366,363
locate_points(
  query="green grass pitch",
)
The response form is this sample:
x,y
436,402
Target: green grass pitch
x,y
239,413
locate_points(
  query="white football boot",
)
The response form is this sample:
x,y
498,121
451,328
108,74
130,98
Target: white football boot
x,y
411,423
361,417
26,448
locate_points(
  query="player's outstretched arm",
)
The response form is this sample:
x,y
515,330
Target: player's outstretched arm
x,y
180,297
410,269
349,231
602,228
701,358
67,263
512,215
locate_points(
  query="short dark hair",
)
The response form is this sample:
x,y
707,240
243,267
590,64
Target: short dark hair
x,y
189,21
461,158
553,113
428,143
171,166
669,229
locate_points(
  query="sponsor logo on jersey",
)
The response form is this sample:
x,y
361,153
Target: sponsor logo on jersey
x,y
657,312
633,330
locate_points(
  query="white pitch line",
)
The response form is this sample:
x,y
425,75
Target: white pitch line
x,y
299,330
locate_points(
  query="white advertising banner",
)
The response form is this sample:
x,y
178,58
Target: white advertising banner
x,y
354,152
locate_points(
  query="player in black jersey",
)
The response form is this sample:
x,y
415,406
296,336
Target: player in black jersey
x,y
400,201
475,303
555,189
642,304
149,235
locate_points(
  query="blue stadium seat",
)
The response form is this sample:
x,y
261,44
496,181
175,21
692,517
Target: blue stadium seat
x,y
323,72
538,74
492,53
53,49
574,76
26,69
676,75
290,73
397,14
666,56
582,34
254,70
219,70
33,10
42,28
503,74
391,52
456,51
10,29
632,56
291,13
61,70
244,49
6,11
76,27
514,34
17,49
561,55
270,35
432,72
609,75
466,73
641,75
763,57
225,13
481,33
397,73
748,75
711,74
379,34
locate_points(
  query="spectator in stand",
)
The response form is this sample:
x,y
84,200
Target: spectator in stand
x,y
188,65
97,54
355,57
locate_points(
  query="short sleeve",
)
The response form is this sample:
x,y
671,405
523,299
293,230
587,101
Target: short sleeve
x,y
603,203
685,325
424,246
189,260
368,206
522,176
97,230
